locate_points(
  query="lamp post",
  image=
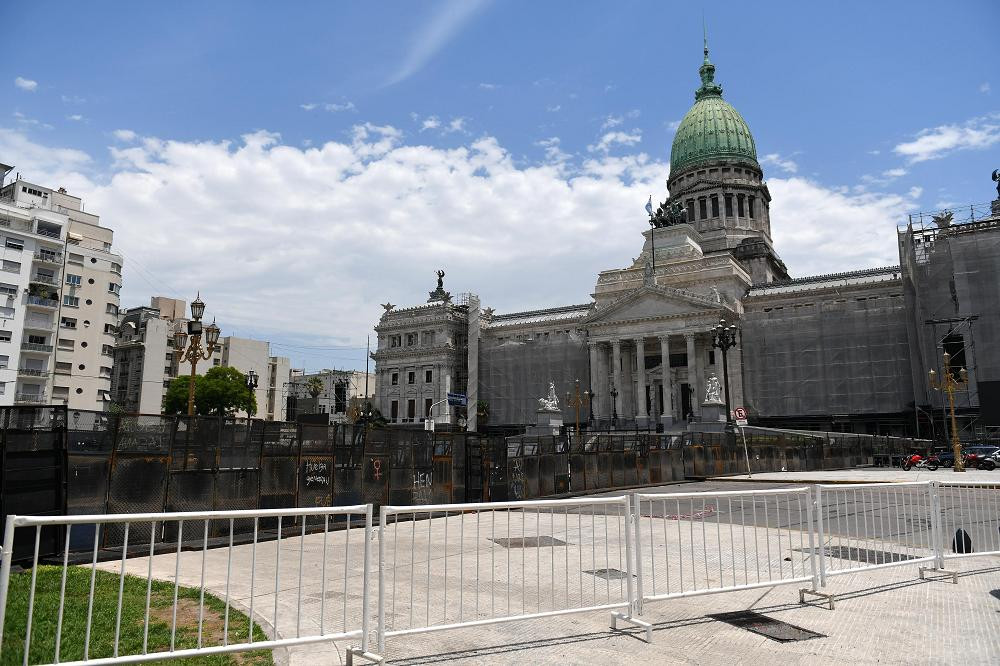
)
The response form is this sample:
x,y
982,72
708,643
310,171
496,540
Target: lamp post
x,y
724,338
252,380
195,352
577,400
949,385
613,392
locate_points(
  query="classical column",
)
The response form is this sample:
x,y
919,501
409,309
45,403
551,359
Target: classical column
x,y
595,376
640,384
694,381
616,373
667,417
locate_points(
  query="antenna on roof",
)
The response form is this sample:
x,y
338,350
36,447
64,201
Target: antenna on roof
x,y
704,31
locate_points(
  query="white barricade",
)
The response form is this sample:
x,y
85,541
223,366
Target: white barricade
x,y
874,526
448,566
970,519
261,574
689,544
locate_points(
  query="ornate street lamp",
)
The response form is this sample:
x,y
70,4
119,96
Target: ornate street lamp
x,y
949,385
195,352
613,392
252,380
577,400
724,338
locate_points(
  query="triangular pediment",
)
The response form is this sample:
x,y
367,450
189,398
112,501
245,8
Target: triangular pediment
x,y
650,302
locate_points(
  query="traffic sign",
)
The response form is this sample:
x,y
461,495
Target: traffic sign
x,y
741,416
458,400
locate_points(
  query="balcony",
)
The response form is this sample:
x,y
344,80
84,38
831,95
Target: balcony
x,y
36,347
29,398
32,372
43,302
49,258
39,325
45,279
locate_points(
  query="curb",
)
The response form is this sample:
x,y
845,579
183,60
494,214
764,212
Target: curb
x,y
800,481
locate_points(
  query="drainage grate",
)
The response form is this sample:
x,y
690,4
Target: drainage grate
x,y
765,626
866,555
609,574
529,542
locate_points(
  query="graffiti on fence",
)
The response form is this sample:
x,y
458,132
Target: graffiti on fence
x,y
422,482
516,479
317,474
377,466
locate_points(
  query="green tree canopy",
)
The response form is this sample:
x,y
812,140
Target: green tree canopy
x,y
220,391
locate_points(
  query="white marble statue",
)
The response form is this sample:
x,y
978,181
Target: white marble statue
x,y
550,403
713,389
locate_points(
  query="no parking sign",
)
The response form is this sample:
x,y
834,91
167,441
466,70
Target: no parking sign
x,y
741,416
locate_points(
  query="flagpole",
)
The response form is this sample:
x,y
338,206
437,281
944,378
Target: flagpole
x,y
652,236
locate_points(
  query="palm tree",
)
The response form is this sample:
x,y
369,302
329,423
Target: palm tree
x,y
314,386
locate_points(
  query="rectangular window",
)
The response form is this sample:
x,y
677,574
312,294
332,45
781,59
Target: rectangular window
x,y
216,362
411,409
411,339
394,411
109,329
75,258
7,288
63,367
113,288
11,266
68,322
702,209
729,205
711,357
690,208
71,301
4,360
428,376
73,279
15,244
3,388
4,336
427,406
411,378
64,343
679,360
739,205
715,206
750,206
6,313
116,268
112,309
107,350
395,379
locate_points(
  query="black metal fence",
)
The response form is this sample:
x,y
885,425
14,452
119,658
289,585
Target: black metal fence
x,y
94,463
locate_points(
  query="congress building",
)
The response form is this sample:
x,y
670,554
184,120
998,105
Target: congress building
x,y
846,352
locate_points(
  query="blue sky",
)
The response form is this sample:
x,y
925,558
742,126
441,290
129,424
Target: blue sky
x,y
386,140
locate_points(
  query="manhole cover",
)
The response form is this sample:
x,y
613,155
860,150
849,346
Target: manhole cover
x,y
529,542
765,626
866,555
608,574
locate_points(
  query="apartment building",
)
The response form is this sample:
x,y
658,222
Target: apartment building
x,y
339,389
59,286
145,362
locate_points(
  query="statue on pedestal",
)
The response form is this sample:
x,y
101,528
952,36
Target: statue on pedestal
x,y
551,402
713,389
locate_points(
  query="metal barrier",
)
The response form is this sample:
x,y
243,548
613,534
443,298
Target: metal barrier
x,y
970,519
252,571
875,526
537,558
689,544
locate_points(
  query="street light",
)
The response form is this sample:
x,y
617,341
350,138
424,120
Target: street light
x,y
577,400
195,352
949,384
724,338
252,380
613,392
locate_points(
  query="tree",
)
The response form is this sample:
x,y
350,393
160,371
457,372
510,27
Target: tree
x,y
220,391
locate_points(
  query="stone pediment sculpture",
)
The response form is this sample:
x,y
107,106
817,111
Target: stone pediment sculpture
x,y
647,275
549,403
652,301
439,294
713,390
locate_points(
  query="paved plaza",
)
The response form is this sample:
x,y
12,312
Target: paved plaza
x,y
462,568
870,475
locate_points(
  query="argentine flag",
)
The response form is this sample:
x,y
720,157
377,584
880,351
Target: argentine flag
x,y
649,206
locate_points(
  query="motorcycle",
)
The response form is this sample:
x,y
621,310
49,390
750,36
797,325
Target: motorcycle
x,y
919,462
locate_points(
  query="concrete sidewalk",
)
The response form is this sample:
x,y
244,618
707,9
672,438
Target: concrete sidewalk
x,y
868,475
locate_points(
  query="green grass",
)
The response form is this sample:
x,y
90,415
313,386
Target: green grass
x,y
46,609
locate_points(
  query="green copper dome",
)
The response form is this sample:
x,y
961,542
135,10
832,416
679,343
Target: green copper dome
x,y
712,129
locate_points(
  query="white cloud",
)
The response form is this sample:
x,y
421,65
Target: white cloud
x,y
450,17
336,108
673,125
308,107
76,116
430,122
26,84
612,121
894,173
984,87
784,163
940,141
489,86
456,125
126,135
30,122
376,217
611,139
554,109
72,99
874,152
810,222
